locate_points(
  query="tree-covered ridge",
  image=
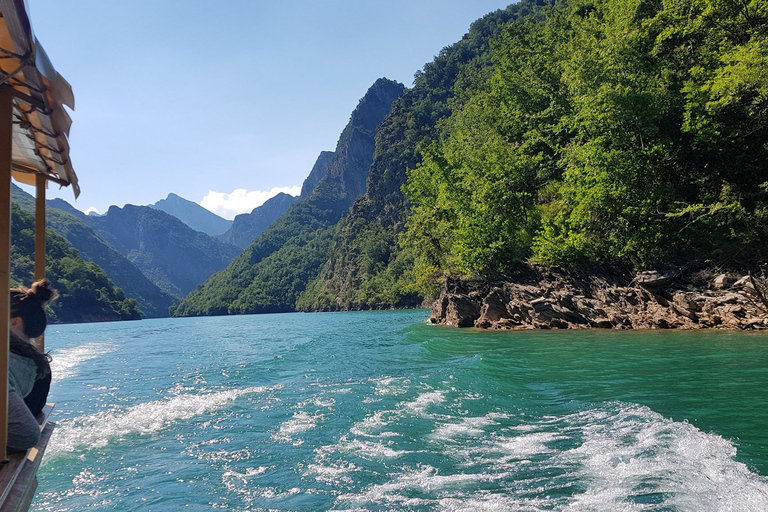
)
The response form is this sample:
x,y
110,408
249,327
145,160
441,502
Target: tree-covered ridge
x,y
274,270
70,223
622,131
367,266
86,294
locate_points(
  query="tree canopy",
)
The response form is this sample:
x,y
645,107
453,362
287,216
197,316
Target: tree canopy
x,y
621,131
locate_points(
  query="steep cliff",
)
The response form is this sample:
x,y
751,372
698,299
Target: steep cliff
x,y
275,268
248,226
171,254
366,266
319,170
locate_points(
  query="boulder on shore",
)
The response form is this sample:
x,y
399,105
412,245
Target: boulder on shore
x,y
546,299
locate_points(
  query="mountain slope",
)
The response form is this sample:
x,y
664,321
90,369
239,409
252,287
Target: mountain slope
x,y
70,223
193,215
172,255
248,226
319,170
367,267
86,294
275,268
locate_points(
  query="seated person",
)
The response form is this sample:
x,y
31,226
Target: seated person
x,y
29,370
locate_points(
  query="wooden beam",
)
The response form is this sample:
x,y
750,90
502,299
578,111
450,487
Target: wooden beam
x,y
6,127
40,241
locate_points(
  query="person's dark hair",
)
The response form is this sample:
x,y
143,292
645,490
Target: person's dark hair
x,y
26,349
28,305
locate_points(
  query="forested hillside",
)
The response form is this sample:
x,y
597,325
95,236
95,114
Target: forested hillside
x,y
86,294
270,274
368,267
624,132
70,223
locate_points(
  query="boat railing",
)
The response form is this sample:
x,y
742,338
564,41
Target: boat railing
x,y
18,476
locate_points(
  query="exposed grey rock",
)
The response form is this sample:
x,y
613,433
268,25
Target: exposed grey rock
x,y
546,299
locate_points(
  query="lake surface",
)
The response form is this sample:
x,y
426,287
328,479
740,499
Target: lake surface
x,y
380,411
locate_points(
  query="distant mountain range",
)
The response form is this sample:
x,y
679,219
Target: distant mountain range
x,y
172,255
72,224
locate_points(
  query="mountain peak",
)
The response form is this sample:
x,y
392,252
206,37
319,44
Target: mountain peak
x,y
193,215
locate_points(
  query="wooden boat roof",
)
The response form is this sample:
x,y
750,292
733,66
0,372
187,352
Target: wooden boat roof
x,y
40,121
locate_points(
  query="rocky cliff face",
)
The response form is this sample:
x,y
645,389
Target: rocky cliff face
x,y
319,170
248,226
270,274
348,169
171,254
543,299
366,256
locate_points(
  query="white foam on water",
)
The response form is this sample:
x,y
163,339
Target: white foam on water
x,y
615,456
374,424
332,473
301,422
527,445
630,452
391,386
421,403
248,473
366,449
66,362
424,479
97,430
467,427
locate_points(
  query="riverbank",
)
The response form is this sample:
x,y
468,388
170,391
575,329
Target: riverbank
x,y
540,298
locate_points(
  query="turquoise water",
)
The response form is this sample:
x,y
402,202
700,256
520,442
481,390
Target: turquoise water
x,y
380,411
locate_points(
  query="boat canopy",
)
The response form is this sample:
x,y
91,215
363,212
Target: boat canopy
x,y
40,121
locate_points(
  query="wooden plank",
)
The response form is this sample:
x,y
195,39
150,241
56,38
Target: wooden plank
x,y
6,126
40,241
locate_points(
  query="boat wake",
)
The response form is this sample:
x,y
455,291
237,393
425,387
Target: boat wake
x,y
66,362
615,456
97,430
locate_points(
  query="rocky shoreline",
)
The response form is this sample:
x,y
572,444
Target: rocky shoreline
x,y
541,298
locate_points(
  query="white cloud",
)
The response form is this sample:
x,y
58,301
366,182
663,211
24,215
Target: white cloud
x,y
228,205
92,209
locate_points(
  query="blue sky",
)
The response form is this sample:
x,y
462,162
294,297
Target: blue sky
x,y
226,103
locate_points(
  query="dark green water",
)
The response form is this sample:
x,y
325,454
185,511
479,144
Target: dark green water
x,y
379,411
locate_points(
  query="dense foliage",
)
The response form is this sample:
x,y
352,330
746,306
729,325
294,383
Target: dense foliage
x,y
85,292
270,274
621,131
367,266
